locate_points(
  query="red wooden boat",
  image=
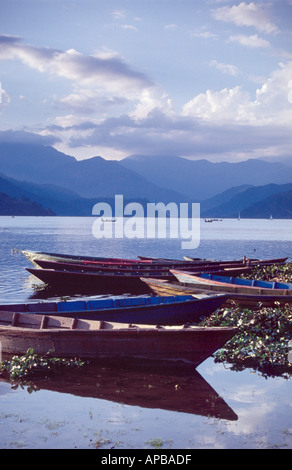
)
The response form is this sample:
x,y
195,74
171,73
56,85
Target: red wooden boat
x,y
67,337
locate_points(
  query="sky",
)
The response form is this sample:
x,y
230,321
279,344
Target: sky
x,y
197,79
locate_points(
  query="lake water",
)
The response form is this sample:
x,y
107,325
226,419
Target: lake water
x,y
119,407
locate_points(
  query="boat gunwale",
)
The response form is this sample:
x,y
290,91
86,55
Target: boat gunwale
x,y
202,279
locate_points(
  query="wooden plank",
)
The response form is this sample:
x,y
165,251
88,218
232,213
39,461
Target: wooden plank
x,y
14,319
6,318
43,322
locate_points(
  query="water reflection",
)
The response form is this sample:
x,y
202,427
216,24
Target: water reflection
x,y
72,290
173,388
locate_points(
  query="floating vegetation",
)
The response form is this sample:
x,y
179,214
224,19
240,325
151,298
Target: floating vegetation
x,y
262,341
280,273
30,365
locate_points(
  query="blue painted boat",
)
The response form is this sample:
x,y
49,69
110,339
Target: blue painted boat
x,y
144,310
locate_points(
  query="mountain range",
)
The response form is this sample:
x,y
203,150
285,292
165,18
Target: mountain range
x,y
62,185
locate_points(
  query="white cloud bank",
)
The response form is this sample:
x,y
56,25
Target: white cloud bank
x,y
227,123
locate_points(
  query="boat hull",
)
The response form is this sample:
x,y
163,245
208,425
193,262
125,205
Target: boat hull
x,y
193,344
231,285
143,310
163,288
151,263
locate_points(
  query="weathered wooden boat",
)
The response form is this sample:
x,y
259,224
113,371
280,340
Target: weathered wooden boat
x,y
153,263
107,281
163,287
244,261
157,270
93,282
32,255
248,261
157,263
167,310
67,337
231,285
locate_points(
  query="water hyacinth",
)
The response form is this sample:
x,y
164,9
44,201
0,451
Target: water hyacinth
x,y
280,273
31,365
262,341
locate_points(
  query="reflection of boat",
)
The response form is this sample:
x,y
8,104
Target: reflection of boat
x,y
70,337
176,387
170,310
163,287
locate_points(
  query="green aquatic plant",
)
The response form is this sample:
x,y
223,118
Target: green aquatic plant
x,y
262,341
281,273
31,365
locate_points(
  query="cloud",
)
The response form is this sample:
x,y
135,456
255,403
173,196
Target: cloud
x,y
119,14
159,134
130,27
170,27
99,70
228,69
89,101
203,34
21,136
226,104
248,14
270,104
4,97
150,100
250,41
224,124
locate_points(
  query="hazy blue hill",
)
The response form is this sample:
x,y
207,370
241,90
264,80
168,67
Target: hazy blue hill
x,y
21,206
201,179
93,177
61,201
242,200
279,206
36,163
221,199
68,186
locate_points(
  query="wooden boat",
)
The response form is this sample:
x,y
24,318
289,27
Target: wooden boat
x,y
232,284
153,270
163,288
32,255
153,263
167,310
67,337
109,281
94,282
248,261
